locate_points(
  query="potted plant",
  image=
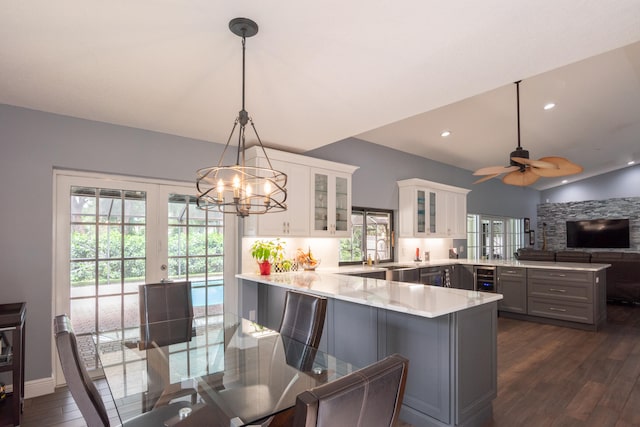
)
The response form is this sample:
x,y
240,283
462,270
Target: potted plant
x,y
266,252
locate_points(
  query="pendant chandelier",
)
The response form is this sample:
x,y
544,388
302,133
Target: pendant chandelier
x,y
242,189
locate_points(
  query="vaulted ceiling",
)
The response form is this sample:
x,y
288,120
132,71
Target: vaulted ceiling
x,y
393,73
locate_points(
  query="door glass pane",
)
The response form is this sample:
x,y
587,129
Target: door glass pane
x,y
107,250
498,239
195,247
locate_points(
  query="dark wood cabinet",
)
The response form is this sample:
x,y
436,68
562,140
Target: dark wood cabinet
x,y
12,322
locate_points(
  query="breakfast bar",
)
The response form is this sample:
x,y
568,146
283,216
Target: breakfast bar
x,y
449,336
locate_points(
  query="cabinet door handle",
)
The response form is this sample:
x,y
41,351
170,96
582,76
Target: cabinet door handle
x,y
562,310
557,275
562,291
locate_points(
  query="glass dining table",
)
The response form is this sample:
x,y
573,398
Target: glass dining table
x,y
233,371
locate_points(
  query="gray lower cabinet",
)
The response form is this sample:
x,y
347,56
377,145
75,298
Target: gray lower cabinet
x,y
452,358
512,284
465,278
574,296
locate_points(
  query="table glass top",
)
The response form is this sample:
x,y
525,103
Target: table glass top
x,y
231,369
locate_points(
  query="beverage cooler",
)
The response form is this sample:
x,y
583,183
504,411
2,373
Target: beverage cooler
x,y
484,278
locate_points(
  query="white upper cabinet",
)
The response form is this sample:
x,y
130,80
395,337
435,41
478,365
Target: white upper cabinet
x,y
431,209
330,204
451,220
295,220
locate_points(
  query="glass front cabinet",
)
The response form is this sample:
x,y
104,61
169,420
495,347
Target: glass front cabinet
x,y
430,209
417,208
318,197
331,203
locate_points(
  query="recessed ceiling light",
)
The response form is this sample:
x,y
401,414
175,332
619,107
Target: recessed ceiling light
x,y
631,163
445,133
549,106
564,181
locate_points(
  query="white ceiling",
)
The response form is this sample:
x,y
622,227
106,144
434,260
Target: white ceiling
x,y
392,73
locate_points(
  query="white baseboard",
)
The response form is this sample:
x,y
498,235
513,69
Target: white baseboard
x,y
35,388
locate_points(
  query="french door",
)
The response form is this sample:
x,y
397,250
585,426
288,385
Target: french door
x,y
115,233
491,237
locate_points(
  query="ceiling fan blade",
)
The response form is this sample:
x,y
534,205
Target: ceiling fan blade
x,y
487,178
521,179
492,170
565,167
535,163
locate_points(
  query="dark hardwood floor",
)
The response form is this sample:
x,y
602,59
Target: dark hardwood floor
x,y
553,376
547,376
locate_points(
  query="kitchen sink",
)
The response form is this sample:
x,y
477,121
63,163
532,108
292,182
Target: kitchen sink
x,y
402,273
395,267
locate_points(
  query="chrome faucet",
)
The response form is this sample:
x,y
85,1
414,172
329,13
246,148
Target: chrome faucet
x,y
377,258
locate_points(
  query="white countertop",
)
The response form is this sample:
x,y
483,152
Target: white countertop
x,y
577,266
416,299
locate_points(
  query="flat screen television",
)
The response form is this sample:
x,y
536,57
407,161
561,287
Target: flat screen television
x,y
598,233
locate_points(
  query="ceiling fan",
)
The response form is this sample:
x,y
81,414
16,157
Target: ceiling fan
x,y
523,171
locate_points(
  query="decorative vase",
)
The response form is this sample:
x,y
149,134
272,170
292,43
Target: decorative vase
x,y
265,268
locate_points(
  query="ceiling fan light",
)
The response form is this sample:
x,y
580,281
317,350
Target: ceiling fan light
x,y
445,133
524,170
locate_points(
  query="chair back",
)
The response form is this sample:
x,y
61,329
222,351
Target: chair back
x,y
371,396
162,302
303,317
82,389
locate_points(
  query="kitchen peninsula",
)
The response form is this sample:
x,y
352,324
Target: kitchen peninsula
x,y
449,336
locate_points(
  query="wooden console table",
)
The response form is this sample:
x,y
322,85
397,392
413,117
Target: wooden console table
x,y
12,319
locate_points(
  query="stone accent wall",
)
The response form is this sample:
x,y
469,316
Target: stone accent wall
x,y
555,216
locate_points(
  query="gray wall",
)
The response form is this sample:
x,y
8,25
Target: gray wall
x,y
374,184
33,143
617,184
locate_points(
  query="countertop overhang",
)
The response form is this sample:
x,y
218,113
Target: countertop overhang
x,y
417,299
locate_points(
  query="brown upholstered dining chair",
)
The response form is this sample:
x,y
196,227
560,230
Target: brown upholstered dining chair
x,y
303,317
85,393
371,397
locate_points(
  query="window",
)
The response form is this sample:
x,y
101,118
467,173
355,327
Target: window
x,y
371,236
491,237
